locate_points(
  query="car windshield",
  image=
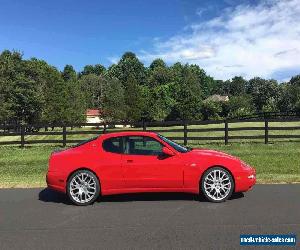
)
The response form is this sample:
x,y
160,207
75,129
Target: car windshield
x,y
175,145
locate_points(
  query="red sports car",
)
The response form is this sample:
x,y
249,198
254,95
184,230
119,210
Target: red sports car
x,y
131,162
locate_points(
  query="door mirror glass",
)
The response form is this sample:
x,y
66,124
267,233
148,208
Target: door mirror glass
x,y
167,151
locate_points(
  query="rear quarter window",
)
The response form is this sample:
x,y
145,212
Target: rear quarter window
x,y
113,145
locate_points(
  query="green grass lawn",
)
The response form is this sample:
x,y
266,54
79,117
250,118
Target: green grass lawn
x,y
275,163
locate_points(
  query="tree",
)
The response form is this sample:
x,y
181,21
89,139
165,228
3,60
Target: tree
x,y
133,100
158,102
206,82
10,68
75,103
239,106
113,102
158,74
211,110
289,95
129,66
56,103
92,86
97,69
295,92
187,93
23,84
132,75
157,63
237,86
69,74
262,91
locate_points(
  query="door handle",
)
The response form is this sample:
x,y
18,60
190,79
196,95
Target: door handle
x,y
129,161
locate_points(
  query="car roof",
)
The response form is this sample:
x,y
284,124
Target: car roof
x,y
128,133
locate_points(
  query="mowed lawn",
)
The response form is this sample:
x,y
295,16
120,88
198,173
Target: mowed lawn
x,y
275,163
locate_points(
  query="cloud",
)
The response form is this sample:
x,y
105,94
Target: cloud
x,y
113,59
245,40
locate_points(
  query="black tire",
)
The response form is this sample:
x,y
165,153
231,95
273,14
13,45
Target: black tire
x,y
85,189
225,192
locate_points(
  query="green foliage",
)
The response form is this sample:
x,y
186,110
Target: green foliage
x,y
158,102
239,106
33,91
133,99
76,103
262,91
69,74
237,86
159,73
113,101
92,86
294,93
211,110
97,69
187,92
128,67
204,81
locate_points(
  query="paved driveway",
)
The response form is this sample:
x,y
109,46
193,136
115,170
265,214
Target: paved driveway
x,y
42,219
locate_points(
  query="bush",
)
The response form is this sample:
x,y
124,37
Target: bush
x,y
211,110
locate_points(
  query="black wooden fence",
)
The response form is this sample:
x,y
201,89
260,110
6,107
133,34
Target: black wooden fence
x,y
182,128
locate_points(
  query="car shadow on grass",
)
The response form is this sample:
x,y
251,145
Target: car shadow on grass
x,y
48,195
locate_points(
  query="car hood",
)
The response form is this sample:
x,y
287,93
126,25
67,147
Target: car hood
x,y
209,152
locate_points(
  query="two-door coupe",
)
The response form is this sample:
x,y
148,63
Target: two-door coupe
x,y
131,162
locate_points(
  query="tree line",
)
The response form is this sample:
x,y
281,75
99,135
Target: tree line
x,y
33,91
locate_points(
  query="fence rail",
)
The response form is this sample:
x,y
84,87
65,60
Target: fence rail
x,y
184,130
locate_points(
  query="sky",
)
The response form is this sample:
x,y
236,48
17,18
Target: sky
x,y
224,37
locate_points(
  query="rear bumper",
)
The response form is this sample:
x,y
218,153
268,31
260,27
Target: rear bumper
x,y
56,181
245,180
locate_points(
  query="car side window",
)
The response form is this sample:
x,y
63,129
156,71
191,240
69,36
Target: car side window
x,y
113,145
142,145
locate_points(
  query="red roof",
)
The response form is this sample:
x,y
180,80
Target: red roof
x,y
93,112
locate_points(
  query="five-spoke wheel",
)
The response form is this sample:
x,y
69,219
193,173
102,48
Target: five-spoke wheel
x,y
217,184
83,187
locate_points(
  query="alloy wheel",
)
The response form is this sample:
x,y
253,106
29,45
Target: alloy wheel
x,y
83,187
218,184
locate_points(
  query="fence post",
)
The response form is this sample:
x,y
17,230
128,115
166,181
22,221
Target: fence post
x,y
104,128
185,133
266,131
144,125
22,135
226,131
64,134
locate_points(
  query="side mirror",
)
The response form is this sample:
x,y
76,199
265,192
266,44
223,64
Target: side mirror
x,y
167,151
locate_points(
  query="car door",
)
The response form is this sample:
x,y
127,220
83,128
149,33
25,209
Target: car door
x,y
145,166
111,164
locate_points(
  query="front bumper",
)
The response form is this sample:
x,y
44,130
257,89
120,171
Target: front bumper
x,y
56,181
245,180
